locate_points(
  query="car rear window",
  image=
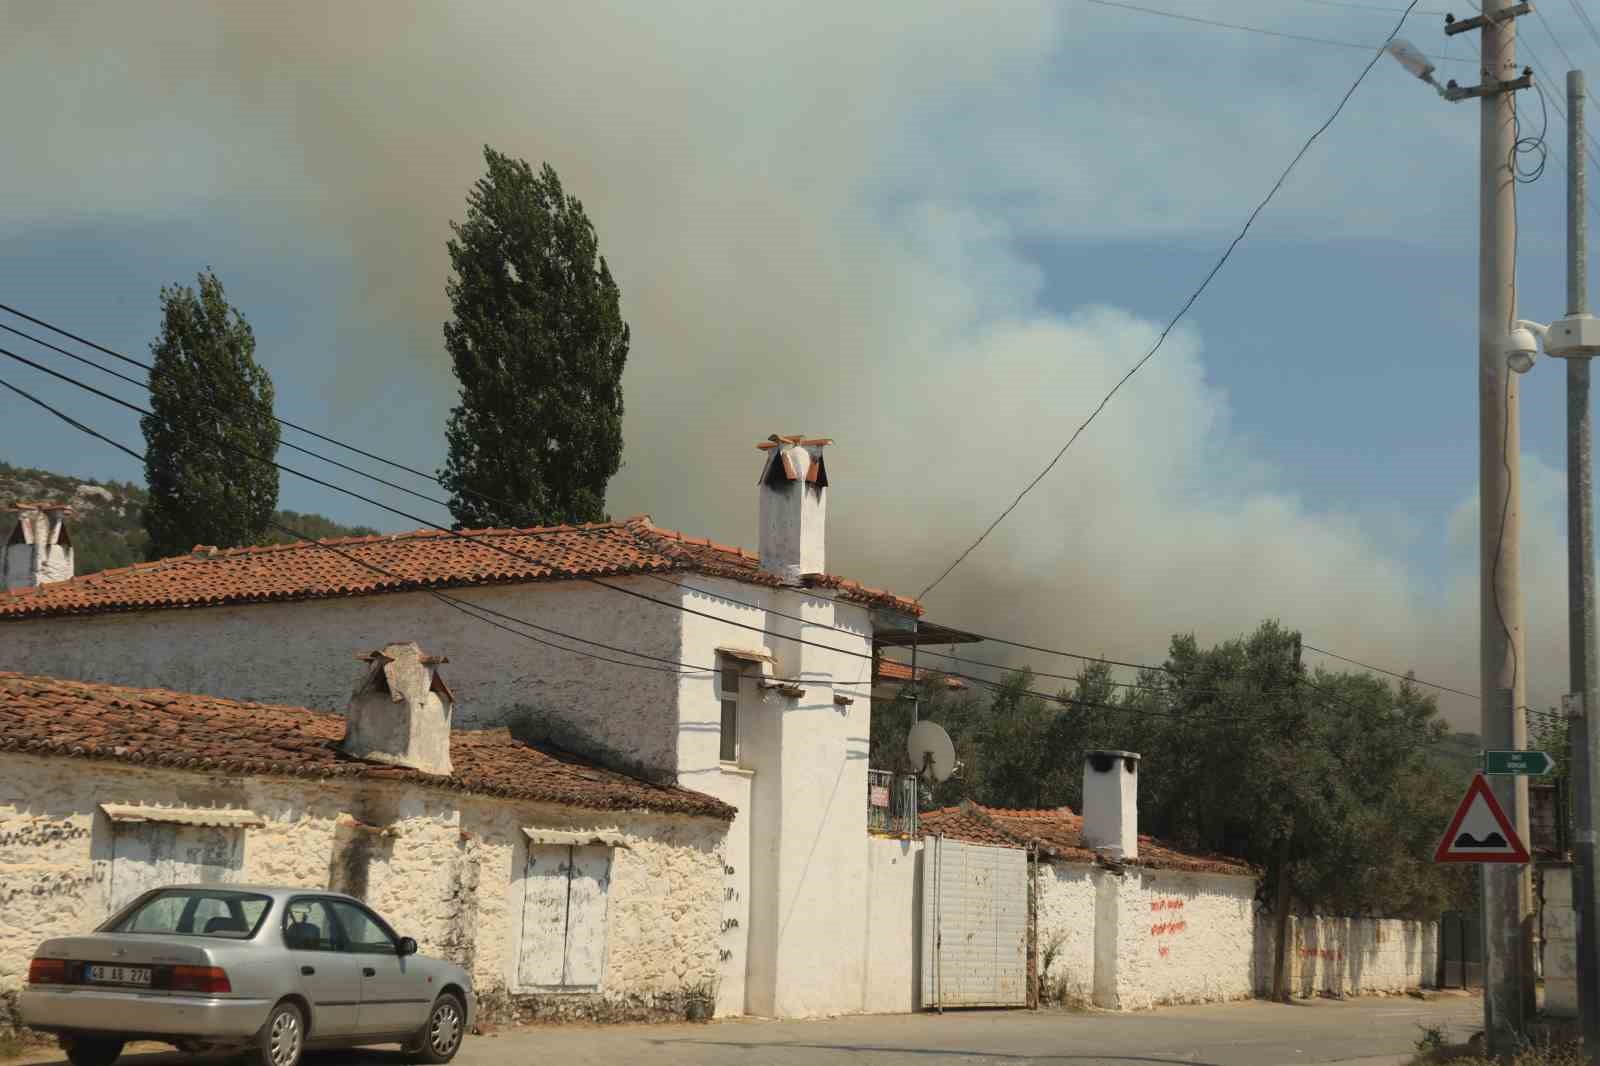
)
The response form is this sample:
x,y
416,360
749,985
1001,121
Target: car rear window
x,y
195,912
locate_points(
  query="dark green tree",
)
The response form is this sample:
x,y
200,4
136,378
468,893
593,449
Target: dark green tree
x,y
538,344
211,411
1342,782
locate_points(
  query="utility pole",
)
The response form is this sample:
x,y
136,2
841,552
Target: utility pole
x,y
1507,890
1280,961
1506,347
1583,734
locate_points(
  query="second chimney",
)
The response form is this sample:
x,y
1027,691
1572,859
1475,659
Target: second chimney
x,y
1111,803
400,711
794,506
39,551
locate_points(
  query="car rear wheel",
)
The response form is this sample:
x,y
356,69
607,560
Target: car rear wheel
x,y
440,1037
93,1052
283,1037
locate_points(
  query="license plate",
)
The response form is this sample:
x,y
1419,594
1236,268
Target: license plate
x,y
119,975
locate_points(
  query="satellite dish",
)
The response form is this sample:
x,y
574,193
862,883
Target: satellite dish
x,y
931,751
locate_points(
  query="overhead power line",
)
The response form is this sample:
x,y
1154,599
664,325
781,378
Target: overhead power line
x,y
480,611
1587,21
483,542
361,473
458,604
146,366
1549,98
1219,24
1391,673
488,615
1372,7
1173,322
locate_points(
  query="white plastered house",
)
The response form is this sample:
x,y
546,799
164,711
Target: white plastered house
x,y
743,676
564,889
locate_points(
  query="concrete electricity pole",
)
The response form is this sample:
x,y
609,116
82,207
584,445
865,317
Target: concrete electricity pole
x,y
1583,742
1507,890
1506,347
1576,338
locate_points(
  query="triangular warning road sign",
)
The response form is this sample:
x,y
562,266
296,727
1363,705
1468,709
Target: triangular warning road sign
x,y
1480,830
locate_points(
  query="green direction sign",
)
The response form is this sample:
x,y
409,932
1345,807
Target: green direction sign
x,y
1521,763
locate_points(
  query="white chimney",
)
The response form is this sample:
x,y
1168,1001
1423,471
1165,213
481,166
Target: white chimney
x,y
794,506
1111,803
400,711
39,551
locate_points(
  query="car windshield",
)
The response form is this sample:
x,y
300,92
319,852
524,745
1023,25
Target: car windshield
x,y
195,912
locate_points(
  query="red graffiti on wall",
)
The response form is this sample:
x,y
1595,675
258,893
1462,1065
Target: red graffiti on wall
x,y
1165,951
1326,954
1160,928
1166,905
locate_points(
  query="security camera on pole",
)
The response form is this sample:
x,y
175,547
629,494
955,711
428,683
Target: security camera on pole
x,y
1507,888
1576,338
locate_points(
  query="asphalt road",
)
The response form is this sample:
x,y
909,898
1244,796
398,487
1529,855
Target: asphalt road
x,y
1373,1032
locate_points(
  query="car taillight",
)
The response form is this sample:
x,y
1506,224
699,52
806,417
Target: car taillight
x,y
47,972
208,979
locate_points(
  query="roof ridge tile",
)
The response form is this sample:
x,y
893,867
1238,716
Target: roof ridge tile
x,y
418,559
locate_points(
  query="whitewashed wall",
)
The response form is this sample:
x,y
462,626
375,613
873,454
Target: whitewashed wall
x,y
804,761
890,940
1184,938
449,875
1066,914
1560,924
300,654
794,864
1351,956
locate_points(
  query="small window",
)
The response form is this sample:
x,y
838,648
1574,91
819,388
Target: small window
x,y
729,678
564,916
146,855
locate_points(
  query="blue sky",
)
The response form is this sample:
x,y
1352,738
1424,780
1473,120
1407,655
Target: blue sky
x,y
937,236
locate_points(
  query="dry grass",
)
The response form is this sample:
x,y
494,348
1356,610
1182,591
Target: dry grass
x,y
11,1046
1460,1055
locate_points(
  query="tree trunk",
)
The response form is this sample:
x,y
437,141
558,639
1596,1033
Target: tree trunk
x,y
1280,964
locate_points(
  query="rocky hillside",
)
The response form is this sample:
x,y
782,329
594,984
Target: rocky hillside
x,y
105,527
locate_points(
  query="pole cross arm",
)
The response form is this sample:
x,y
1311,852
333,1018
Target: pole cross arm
x,y
1455,93
1453,26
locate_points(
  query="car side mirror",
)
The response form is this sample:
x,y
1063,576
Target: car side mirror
x,y
407,946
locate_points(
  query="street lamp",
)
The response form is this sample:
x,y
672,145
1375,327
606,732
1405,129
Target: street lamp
x,y
1410,57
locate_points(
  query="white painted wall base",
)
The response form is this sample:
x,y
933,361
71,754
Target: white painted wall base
x,y
1560,944
890,938
451,874
1350,956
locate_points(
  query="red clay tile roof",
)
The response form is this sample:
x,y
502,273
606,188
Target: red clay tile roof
x,y
1059,834
893,671
182,731
423,559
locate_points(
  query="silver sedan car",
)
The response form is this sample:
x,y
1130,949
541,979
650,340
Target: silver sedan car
x,y
268,971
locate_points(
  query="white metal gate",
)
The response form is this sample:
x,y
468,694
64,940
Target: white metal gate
x,y
974,925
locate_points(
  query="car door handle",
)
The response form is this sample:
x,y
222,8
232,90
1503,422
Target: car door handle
x,y
307,971
368,971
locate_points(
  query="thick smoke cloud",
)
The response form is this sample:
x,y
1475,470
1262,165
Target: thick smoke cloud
x,y
816,216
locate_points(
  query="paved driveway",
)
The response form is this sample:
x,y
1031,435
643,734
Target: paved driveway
x,y
1373,1032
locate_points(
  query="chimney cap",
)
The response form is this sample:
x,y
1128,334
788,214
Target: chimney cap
x,y
1102,761
383,653
41,505
794,438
